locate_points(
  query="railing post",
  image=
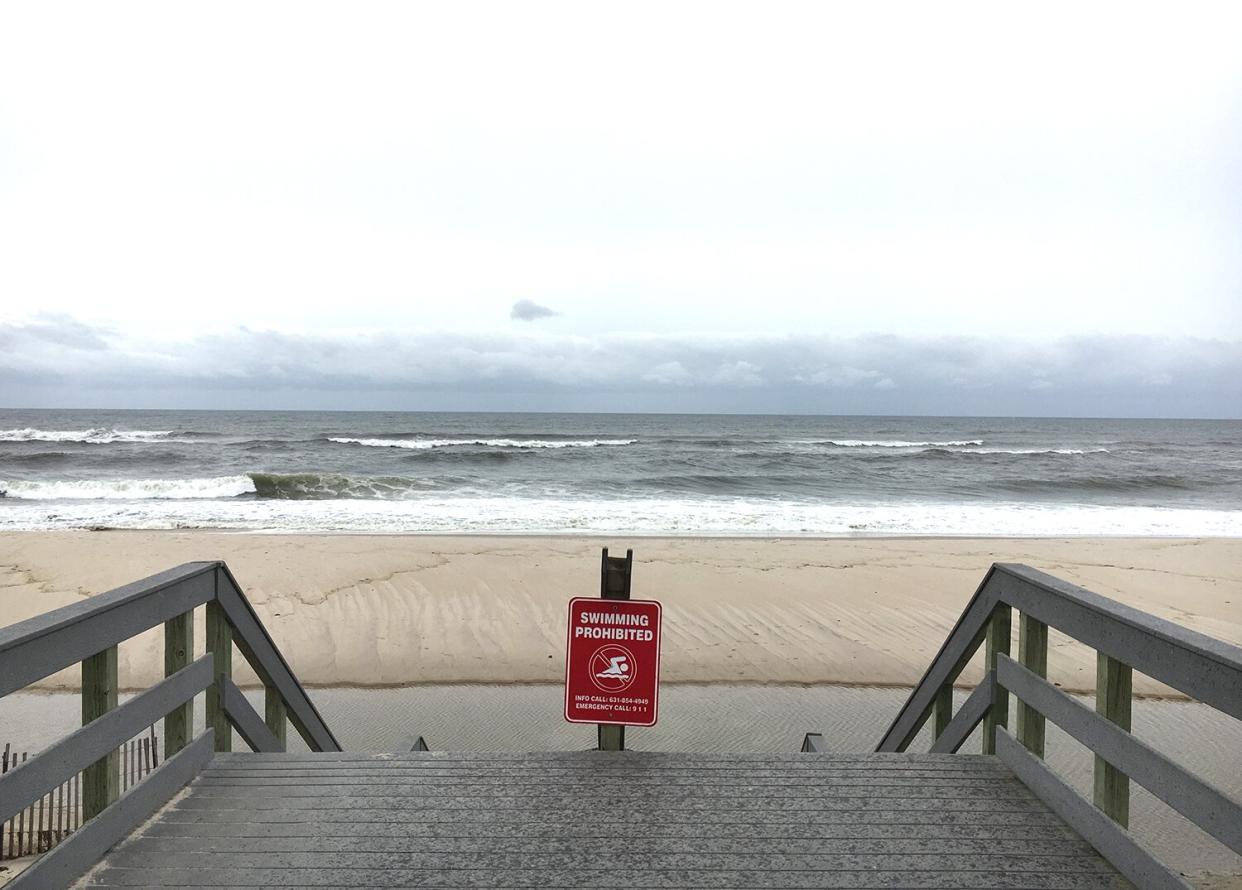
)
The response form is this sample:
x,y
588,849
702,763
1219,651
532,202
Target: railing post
x,y
999,631
101,781
943,709
1033,653
178,653
275,714
1113,685
220,645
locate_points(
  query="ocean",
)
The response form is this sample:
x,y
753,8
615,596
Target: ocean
x,y
618,473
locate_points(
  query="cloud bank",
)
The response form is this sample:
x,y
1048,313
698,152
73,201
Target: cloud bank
x,y
63,362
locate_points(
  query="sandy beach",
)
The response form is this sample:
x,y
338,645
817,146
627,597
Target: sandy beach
x,y
400,610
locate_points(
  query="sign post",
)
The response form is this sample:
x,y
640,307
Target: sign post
x,y
612,663
614,584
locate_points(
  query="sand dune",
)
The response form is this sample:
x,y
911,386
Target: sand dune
x,y
396,610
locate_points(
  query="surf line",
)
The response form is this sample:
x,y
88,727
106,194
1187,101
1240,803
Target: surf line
x,y
610,626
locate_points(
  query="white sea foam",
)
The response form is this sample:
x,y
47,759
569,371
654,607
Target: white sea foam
x,y
890,443
91,437
128,489
483,513
959,446
424,444
1034,451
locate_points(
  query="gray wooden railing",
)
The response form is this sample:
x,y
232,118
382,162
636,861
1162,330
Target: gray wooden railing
x,y
1125,639
88,633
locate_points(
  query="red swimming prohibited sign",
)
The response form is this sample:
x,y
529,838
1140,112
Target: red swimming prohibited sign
x,y
612,666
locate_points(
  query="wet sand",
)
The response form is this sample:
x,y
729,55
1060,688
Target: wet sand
x,y
364,610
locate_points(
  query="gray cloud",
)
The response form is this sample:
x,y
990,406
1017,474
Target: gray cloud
x,y
529,310
1087,375
54,330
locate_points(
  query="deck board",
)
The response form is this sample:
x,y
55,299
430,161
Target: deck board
x,y
590,819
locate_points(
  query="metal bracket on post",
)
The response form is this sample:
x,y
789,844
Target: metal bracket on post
x,y
614,584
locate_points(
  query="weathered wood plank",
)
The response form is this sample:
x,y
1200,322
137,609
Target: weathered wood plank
x,y
249,726
550,821
1130,857
1040,825
178,653
637,817
956,651
969,715
1010,797
998,641
943,710
256,646
39,646
1204,668
1033,653
1213,811
220,645
996,845
644,758
81,850
636,878
101,781
276,716
780,785
618,860
435,774
100,737
1113,701
337,796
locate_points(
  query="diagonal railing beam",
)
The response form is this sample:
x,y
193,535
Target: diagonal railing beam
x,y
258,648
1200,666
968,716
247,722
958,648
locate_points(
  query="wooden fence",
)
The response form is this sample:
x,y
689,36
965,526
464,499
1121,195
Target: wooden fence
x,y
53,817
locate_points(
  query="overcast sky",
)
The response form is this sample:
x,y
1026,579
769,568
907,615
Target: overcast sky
x,y
890,208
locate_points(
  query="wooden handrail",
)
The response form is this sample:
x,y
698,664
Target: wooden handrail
x,y
39,647
1211,809
75,752
1125,639
1202,667
89,632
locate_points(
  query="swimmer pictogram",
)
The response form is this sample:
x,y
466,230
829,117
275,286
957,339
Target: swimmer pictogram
x,y
612,668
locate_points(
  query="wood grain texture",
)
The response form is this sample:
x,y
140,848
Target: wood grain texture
x,y
582,819
1113,701
178,652
101,781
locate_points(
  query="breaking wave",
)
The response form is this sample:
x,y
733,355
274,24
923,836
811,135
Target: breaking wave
x,y
1020,450
423,444
889,443
332,486
101,436
128,489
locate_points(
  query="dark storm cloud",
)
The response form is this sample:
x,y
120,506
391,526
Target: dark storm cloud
x,y
59,362
529,310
